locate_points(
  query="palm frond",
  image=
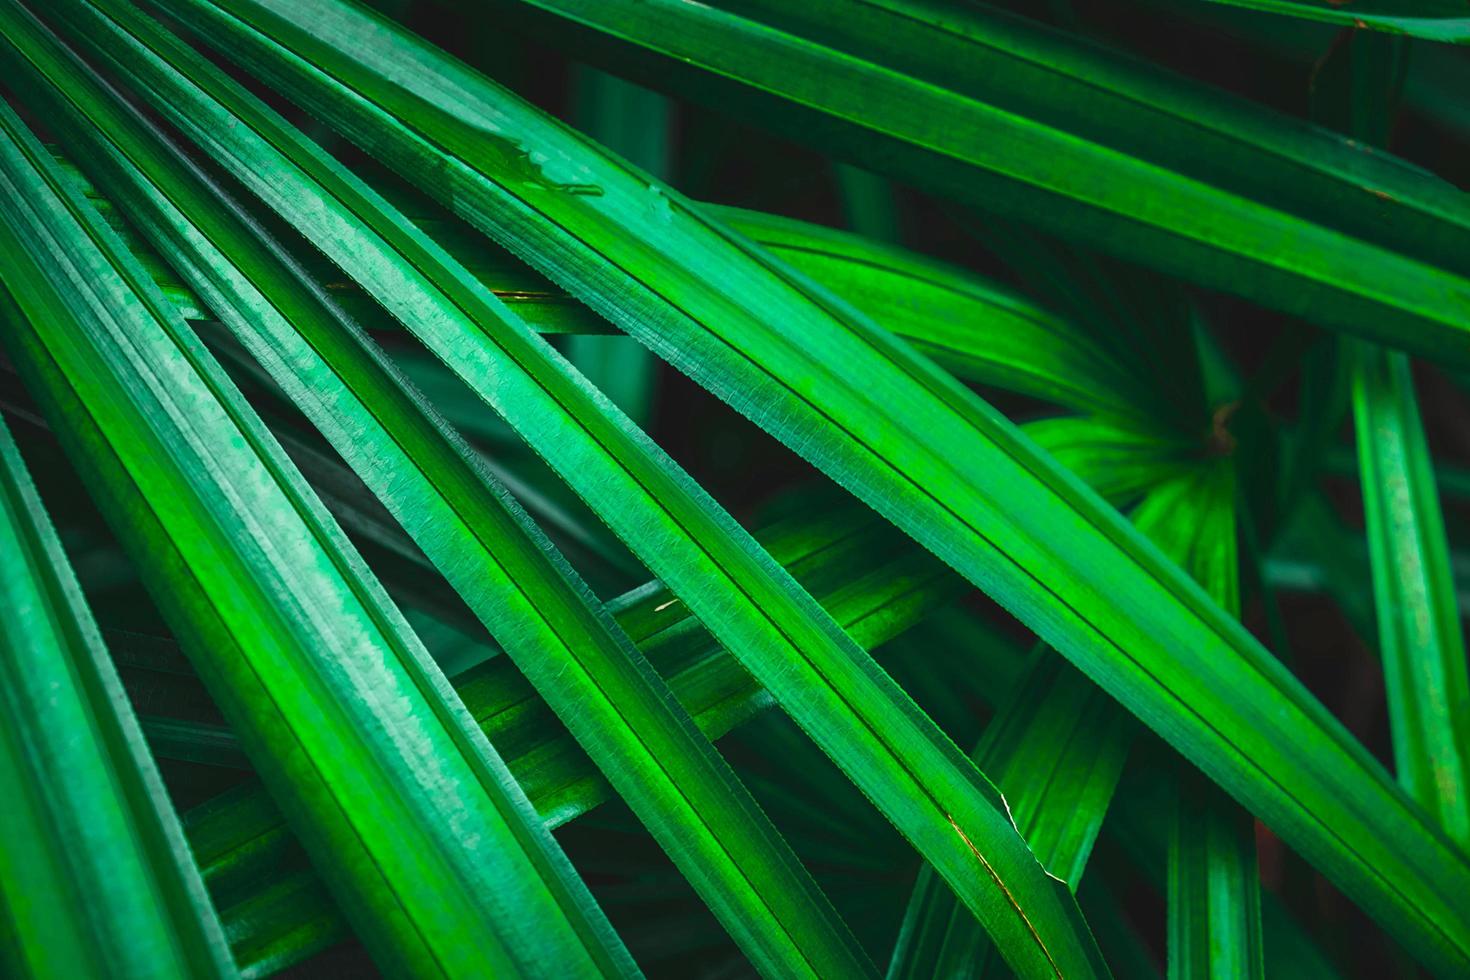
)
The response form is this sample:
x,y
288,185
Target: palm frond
x,y
352,381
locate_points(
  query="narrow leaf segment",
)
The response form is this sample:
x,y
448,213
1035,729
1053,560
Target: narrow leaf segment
x,y
95,877
427,842
901,434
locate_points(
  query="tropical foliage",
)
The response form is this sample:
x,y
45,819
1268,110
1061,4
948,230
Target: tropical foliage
x,y
609,487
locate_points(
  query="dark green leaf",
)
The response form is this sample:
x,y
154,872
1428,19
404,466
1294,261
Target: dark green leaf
x,y
873,582
904,436
916,776
1434,20
1017,118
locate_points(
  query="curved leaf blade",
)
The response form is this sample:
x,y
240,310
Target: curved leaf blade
x,y
1017,118
425,838
920,781
1057,747
95,877
545,618
901,434
977,329
873,581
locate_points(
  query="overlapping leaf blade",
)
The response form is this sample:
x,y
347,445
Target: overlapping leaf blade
x,y
1020,119
905,437
1214,893
95,877
853,710
1420,638
1058,747
426,840
1055,751
525,594
638,124
977,329
1213,888
874,583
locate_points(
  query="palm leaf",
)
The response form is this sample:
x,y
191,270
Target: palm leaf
x,y
74,769
1057,749
977,329
1414,593
902,435
1213,890
433,849
547,620
873,584
635,122
923,783
1423,651
1018,119
271,311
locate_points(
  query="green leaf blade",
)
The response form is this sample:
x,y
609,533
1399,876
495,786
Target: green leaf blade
x,y
1012,117
1213,888
1433,20
903,436
1414,591
923,783
546,618
184,465
1057,748
874,583
978,330
97,880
